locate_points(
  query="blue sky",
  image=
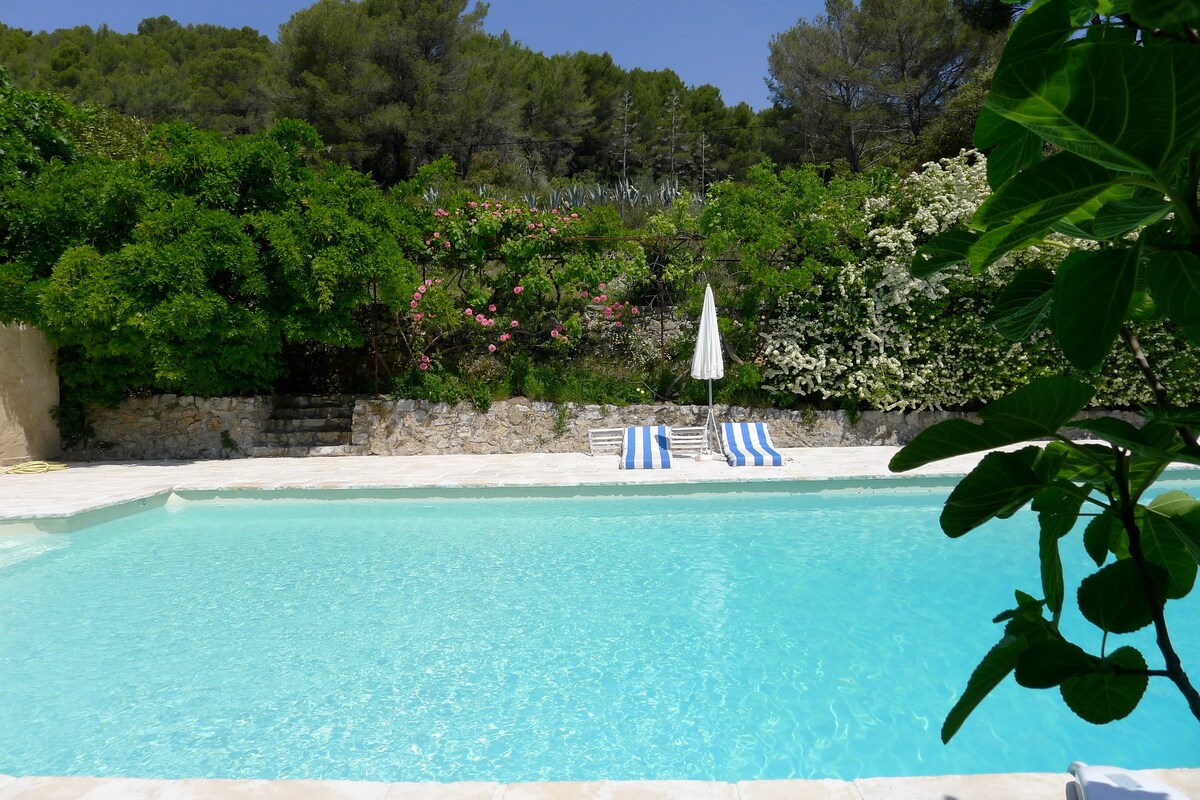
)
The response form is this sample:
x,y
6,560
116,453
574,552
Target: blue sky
x,y
722,42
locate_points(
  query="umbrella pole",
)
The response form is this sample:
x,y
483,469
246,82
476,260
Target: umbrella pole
x,y
711,418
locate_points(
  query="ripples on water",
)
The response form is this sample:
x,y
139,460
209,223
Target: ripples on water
x,y
723,637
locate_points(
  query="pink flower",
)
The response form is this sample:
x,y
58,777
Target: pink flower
x,y
424,366
439,280
473,204
429,282
513,324
619,325
480,318
564,337
473,220
491,348
504,337
574,216
425,359
428,242
418,316
436,234
608,311
633,310
492,308
446,245
412,303
469,312
554,230
422,288
518,289
602,286
554,333
416,296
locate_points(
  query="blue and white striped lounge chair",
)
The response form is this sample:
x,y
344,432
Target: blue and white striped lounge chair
x,y
646,447
749,444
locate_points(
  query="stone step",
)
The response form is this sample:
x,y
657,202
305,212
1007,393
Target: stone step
x,y
304,452
305,438
303,425
319,412
312,401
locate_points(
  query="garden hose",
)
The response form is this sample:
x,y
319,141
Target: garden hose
x,y
34,468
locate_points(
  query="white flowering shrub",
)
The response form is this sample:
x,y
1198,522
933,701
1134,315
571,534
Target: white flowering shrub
x,y
866,334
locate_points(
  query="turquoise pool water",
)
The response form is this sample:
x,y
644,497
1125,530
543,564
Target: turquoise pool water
x,y
705,636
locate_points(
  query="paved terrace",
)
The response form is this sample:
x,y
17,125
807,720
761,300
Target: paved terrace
x,y
47,502
96,486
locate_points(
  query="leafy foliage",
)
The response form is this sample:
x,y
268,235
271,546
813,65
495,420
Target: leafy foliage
x,y
516,286
1127,195
188,270
838,318
30,131
204,74
393,85
867,78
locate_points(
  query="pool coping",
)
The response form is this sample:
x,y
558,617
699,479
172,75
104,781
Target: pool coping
x,y
66,500
1012,786
94,486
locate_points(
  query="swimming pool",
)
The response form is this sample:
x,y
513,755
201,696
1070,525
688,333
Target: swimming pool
x,y
713,635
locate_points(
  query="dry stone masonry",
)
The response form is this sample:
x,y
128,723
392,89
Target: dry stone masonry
x,y
181,427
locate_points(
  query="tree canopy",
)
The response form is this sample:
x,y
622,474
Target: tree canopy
x,y
392,85
866,79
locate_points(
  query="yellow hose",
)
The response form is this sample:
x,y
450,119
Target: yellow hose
x,y
34,468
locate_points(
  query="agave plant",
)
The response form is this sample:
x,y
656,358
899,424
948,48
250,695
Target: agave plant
x,y
599,194
626,193
575,197
483,190
530,199
431,194
554,198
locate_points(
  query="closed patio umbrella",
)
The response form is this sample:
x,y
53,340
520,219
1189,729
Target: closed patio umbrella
x,y
707,362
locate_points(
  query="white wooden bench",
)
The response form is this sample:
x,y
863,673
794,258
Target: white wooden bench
x,y
689,440
605,440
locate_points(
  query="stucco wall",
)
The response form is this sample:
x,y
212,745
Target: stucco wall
x,y
28,388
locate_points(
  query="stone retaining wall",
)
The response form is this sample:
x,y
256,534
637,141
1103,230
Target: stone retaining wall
x,y
409,427
172,427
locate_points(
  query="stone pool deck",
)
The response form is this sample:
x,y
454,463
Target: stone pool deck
x,y
94,486
1027,786
46,503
